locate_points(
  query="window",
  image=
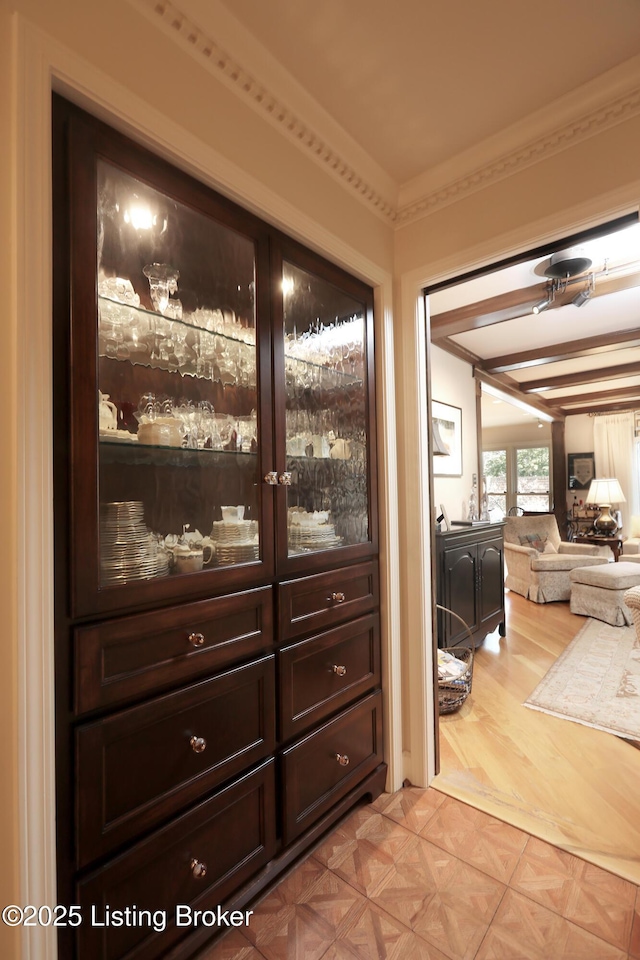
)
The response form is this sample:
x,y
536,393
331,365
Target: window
x,y
517,478
495,473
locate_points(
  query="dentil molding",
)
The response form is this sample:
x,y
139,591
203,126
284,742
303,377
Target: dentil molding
x,y
567,134
219,62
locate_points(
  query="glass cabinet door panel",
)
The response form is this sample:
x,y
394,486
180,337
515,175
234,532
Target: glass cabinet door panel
x,y
326,411
177,393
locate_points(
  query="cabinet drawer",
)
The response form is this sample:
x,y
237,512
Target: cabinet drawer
x,y
141,765
313,603
320,675
123,659
320,769
232,834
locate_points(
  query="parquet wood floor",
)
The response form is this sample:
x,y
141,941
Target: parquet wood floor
x,y
422,876
570,785
514,873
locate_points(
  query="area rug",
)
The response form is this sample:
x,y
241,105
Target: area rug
x,y
595,681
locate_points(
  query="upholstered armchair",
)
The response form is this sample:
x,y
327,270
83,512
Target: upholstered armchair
x,y
631,546
632,600
538,562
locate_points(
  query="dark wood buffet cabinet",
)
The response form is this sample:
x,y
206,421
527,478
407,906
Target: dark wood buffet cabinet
x,y
218,680
470,582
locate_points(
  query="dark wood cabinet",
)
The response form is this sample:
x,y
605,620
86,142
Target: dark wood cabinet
x,y
470,582
198,860
320,675
138,765
218,679
322,767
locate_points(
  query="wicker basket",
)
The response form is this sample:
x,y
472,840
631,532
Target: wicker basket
x,y
452,693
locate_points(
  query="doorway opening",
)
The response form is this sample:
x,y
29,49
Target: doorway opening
x,y
562,338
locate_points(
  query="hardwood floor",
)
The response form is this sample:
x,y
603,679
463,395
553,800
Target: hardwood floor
x,y
570,785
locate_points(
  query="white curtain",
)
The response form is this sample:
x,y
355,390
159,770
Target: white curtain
x,y
614,450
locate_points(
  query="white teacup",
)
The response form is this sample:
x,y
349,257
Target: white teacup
x,y
190,559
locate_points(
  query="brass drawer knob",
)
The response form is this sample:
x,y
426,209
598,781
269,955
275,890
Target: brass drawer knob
x,y
337,597
198,744
342,759
198,869
339,670
285,479
197,639
271,478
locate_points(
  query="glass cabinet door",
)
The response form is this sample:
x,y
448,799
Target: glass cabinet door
x,y
175,406
327,436
177,387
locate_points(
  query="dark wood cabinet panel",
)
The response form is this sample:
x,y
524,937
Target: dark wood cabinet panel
x,y
320,675
124,659
470,583
140,765
231,834
218,667
460,573
313,603
320,769
491,564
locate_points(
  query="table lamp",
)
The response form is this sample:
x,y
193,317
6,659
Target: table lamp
x,y
604,492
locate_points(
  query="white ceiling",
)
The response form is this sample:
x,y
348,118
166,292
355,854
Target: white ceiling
x,y
615,259
416,82
416,93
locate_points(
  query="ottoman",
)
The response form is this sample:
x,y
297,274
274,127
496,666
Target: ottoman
x,y
599,591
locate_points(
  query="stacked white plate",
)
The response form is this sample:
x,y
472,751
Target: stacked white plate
x,y
128,551
233,531
309,531
235,541
243,551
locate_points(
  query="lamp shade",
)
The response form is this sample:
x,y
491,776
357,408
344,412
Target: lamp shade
x,y
605,490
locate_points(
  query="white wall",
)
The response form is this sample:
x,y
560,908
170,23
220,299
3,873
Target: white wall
x,y
452,382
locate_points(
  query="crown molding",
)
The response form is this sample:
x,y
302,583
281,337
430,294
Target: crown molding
x,y
270,106
567,135
595,107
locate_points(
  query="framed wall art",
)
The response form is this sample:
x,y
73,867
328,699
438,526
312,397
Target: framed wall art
x,y
581,470
446,424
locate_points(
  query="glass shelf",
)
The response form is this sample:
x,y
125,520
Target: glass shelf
x,y
132,314
146,338
112,451
340,377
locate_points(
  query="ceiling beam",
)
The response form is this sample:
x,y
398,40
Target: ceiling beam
x,y
458,351
506,306
518,303
575,379
620,393
604,408
555,352
510,388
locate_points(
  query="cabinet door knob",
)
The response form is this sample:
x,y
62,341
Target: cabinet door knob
x,y
343,759
198,744
285,479
339,670
271,478
198,869
197,639
338,597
